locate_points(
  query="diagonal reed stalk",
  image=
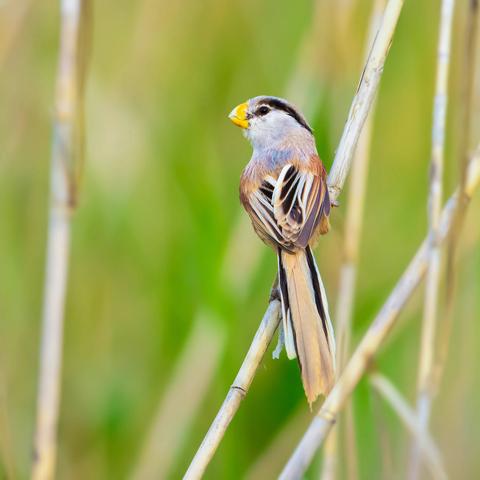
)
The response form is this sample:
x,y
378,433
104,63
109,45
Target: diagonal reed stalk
x,y
407,415
358,113
364,97
348,273
470,63
66,150
376,334
430,313
237,391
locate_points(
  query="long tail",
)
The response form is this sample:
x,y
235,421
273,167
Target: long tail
x,y
308,332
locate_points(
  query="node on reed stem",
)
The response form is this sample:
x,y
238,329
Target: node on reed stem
x,y
358,112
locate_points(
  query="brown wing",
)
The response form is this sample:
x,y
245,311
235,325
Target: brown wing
x,y
288,210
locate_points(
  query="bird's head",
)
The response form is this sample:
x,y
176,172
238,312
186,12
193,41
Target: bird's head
x,y
268,120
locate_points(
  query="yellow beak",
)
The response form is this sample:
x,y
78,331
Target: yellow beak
x,y
239,115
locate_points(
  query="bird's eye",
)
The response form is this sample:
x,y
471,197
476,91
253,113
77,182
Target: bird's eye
x,y
263,110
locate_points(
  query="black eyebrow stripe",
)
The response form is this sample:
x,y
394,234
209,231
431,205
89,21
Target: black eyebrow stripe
x,y
279,105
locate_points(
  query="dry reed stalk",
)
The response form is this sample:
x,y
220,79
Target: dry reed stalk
x,y
470,63
305,89
237,392
348,272
364,98
430,313
358,112
64,162
329,468
354,222
168,431
374,337
426,445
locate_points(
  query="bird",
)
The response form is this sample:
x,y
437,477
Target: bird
x,y
284,190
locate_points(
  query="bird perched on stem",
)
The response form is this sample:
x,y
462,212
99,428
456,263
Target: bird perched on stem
x,y
283,189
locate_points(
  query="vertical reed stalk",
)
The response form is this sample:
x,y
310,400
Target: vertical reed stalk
x,y
373,339
470,63
64,162
354,221
348,272
364,97
430,313
358,113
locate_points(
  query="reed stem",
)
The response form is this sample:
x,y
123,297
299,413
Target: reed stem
x,y
66,150
373,339
430,312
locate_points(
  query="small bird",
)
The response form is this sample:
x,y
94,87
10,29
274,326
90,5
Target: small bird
x,y
284,191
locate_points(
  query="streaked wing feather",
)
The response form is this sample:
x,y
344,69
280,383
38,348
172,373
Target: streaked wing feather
x,y
263,219
300,216
286,211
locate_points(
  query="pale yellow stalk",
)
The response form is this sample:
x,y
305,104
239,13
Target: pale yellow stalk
x,y
429,451
348,275
358,112
64,163
376,334
430,311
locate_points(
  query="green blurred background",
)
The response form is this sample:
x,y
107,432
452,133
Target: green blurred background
x,y
167,280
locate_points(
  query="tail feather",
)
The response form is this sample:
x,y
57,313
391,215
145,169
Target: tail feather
x,y
322,303
288,332
307,328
